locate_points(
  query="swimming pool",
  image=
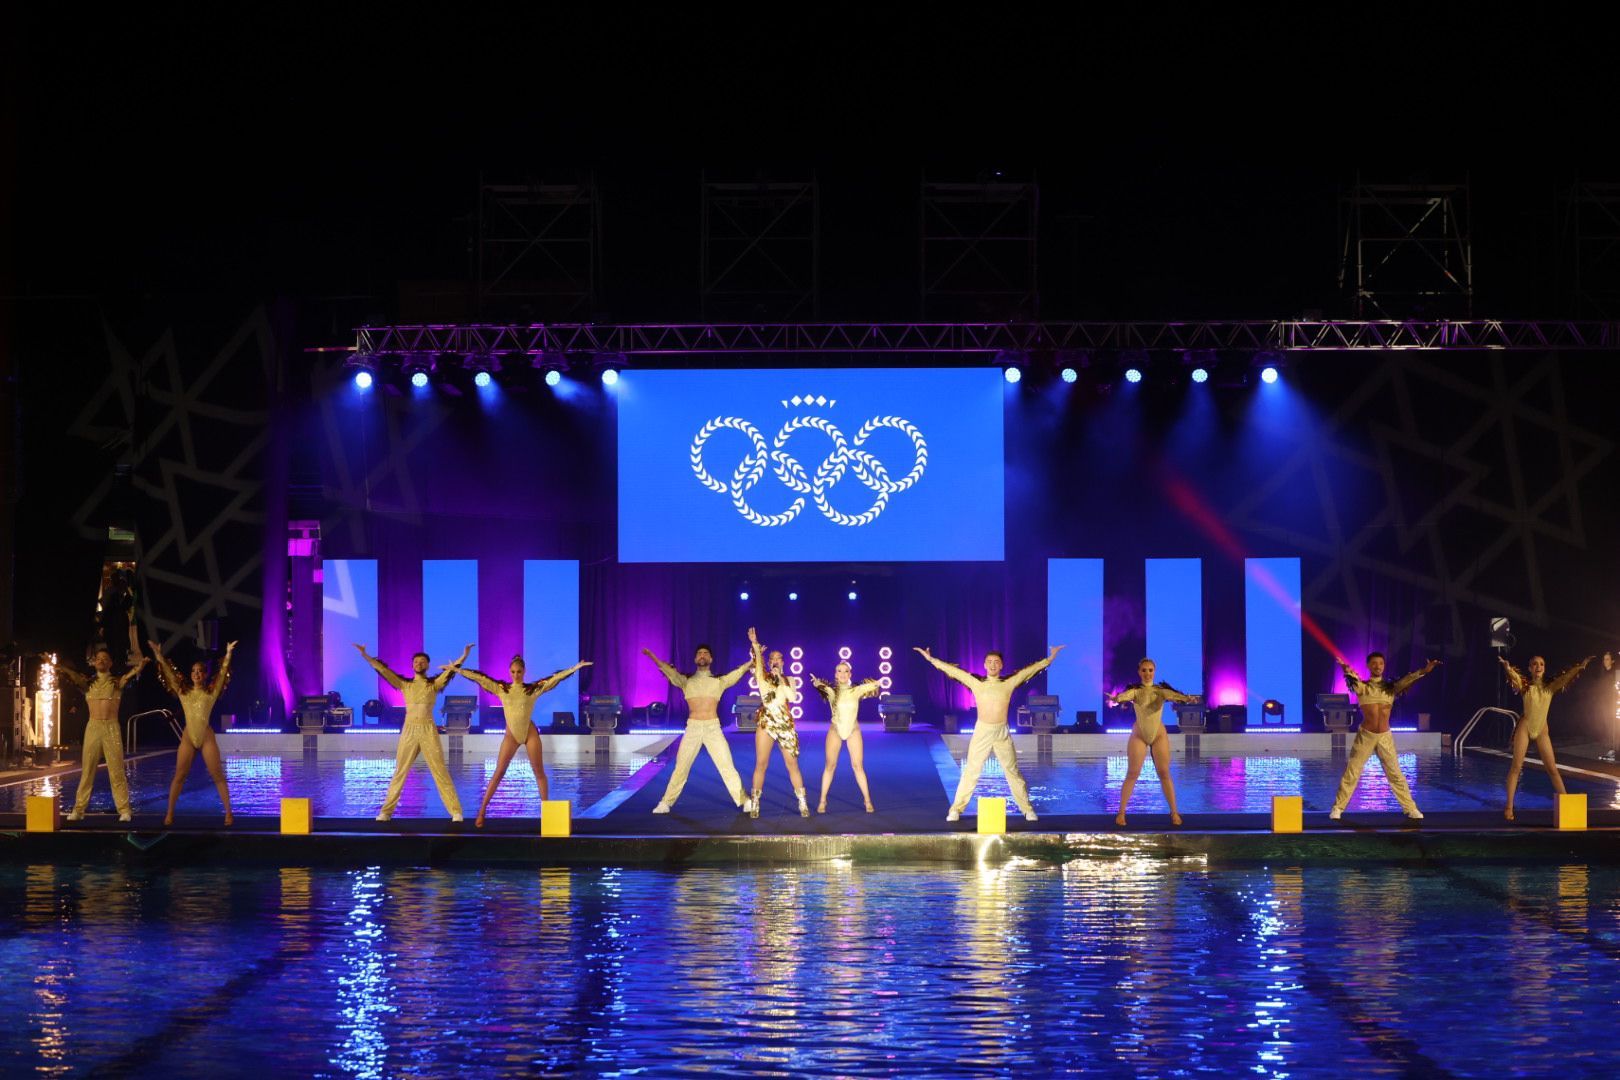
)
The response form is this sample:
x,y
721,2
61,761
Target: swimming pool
x,y
1123,965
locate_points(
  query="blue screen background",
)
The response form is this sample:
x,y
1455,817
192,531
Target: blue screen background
x,y
954,511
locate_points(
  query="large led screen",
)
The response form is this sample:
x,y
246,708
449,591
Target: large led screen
x,y
810,466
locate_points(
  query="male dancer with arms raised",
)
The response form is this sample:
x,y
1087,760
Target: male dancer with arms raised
x,y
702,689
993,695
102,692
419,735
1376,695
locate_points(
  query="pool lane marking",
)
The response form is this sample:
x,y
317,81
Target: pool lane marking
x,y
1610,777
1385,1042
1590,938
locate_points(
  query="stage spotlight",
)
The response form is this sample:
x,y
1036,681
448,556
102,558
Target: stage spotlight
x,y
852,594
742,595
362,380
1070,375
1200,375
610,377
482,379
1268,375
553,377
1012,374
419,379
1133,375
793,596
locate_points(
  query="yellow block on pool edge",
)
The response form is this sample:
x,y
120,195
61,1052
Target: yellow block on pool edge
x,y
556,817
1287,813
1569,811
992,815
44,815
296,817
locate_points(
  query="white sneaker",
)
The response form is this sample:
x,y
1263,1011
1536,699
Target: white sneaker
x,y
126,817
1416,815
384,817
456,818
1335,813
954,815
663,807
1032,816
74,815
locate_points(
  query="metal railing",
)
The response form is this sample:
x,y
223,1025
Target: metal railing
x,y
1468,729
132,728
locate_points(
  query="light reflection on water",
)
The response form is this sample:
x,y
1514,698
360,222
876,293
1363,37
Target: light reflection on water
x,y
1119,965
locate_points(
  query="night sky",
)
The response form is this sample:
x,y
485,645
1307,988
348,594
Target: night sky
x,y
1189,163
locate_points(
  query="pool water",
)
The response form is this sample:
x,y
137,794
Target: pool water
x,y
1124,966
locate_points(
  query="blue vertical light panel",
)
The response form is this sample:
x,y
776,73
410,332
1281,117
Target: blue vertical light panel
x,y
550,629
349,615
1074,618
1275,642
450,615
1175,624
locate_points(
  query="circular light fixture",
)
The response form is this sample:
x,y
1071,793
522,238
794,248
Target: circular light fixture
x,y
793,596
742,596
362,380
1199,375
1268,376
419,380
1012,374
843,652
852,595
1133,375
610,377
482,379
553,377
1070,375
885,668
796,653
885,653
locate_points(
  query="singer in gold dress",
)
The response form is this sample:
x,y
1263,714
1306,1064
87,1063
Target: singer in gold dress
x,y
777,697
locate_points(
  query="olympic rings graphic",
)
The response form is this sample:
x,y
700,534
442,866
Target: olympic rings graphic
x,y
847,455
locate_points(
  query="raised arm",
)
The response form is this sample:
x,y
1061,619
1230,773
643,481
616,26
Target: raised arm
x,y
1024,674
166,672
551,681
1568,675
825,689
951,670
1351,679
675,677
1405,682
1125,696
867,688
389,675
442,679
734,676
72,675
1515,677
1172,694
483,680
133,673
223,678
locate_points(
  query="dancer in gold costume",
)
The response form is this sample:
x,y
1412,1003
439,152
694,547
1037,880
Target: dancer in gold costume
x,y
419,735
197,699
776,700
517,705
844,696
1148,734
102,692
991,735
1537,691
1376,696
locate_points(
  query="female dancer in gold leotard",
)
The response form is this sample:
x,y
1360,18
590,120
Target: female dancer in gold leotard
x,y
1148,734
844,696
197,699
517,705
1537,691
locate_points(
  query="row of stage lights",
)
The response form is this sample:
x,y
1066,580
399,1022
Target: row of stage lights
x,y
1135,367
745,594
795,671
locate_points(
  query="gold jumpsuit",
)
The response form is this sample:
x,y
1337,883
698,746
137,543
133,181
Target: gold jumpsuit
x,y
1149,704
1538,695
1367,743
846,703
990,732
703,734
196,702
776,700
418,736
102,737
517,699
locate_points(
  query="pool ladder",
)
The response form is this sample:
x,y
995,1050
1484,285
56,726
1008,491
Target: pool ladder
x,y
132,727
1473,722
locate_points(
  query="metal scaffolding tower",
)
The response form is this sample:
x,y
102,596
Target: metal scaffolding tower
x,y
1590,229
977,250
761,255
1407,250
539,250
